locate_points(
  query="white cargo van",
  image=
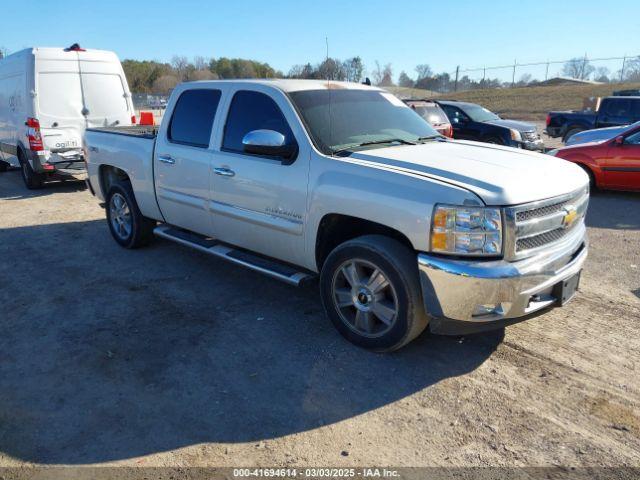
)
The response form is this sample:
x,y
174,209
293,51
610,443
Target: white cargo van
x,y
48,97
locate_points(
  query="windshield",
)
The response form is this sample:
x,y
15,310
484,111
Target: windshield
x,y
339,119
431,114
478,113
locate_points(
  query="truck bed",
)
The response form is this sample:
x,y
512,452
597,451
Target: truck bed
x,y
145,131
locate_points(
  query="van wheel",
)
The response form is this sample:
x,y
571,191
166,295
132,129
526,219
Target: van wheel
x,y
370,290
494,140
127,225
32,180
4,166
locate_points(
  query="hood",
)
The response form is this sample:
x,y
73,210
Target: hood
x,y
515,124
595,135
498,175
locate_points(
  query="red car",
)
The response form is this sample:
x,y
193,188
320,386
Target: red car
x,y
434,114
612,164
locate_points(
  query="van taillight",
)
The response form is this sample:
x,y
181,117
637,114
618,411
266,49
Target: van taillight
x,y
34,135
548,119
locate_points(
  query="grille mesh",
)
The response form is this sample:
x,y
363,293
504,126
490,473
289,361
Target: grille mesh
x,y
530,136
541,239
540,212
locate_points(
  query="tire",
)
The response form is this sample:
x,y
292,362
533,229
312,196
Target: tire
x,y
4,166
592,177
127,225
571,132
357,318
494,140
32,180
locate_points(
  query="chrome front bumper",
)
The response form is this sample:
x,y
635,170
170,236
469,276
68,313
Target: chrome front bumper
x,y
463,291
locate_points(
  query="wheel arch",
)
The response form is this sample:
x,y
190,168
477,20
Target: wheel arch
x,y
336,228
108,175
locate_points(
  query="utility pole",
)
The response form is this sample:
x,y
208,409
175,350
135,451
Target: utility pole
x,y
546,73
513,76
624,60
484,74
584,66
455,85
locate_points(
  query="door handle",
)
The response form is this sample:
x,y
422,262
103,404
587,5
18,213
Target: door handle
x,y
164,158
224,171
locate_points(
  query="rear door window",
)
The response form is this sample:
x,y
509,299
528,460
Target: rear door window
x,y
253,111
193,117
104,95
59,94
618,107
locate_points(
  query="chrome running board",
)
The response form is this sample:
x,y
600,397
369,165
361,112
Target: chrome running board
x,y
268,266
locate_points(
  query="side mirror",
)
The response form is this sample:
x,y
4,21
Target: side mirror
x,y
268,142
619,140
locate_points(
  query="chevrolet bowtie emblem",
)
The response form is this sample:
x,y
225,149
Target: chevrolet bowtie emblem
x,y
570,217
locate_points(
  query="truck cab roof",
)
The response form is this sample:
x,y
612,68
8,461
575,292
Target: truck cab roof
x,y
290,85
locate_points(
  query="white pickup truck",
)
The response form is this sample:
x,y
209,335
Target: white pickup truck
x,y
406,229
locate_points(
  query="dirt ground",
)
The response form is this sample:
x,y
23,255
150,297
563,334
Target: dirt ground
x,y
166,357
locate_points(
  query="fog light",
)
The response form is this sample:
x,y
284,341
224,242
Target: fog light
x,y
490,309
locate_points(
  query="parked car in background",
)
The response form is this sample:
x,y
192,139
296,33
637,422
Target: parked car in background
x,y
611,164
598,134
434,114
473,122
297,178
48,96
613,112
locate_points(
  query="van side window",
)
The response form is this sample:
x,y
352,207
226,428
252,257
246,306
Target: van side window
x,y
253,111
193,116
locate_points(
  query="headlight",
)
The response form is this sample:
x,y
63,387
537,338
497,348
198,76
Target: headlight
x,y
466,230
515,135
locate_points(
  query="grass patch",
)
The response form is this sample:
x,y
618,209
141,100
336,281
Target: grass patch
x,y
526,103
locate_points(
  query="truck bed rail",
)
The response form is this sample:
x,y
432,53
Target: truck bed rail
x,y
145,131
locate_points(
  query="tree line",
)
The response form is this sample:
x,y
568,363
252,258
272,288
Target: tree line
x,y
148,76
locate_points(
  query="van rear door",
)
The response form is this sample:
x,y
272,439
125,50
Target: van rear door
x,y
59,100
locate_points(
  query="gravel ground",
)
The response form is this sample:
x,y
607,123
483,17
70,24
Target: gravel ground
x,y
165,357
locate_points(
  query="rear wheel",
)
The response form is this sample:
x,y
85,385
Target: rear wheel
x,y
32,180
4,166
127,225
570,133
370,290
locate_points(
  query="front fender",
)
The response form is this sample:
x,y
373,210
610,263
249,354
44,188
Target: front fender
x,y
401,201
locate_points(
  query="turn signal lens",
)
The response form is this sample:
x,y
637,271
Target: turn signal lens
x,y
466,230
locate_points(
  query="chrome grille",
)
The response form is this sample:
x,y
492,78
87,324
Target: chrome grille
x,y
530,136
541,212
538,225
540,240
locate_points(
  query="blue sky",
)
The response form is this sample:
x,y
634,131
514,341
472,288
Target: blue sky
x,y
283,33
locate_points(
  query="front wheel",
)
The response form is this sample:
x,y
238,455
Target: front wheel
x,y
370,290
127,225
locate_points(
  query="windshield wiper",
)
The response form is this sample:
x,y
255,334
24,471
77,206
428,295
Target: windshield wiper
x,y
373,142
432,137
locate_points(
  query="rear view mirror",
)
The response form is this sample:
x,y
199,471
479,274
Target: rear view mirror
x,y
268,142
619,140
